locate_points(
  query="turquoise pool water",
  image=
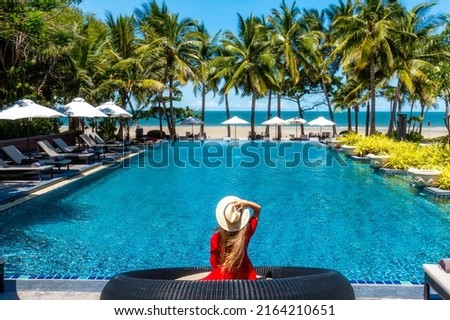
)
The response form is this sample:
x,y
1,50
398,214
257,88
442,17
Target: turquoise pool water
x,y
158,211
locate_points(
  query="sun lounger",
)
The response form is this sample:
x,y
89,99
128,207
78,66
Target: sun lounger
x,y
24,169
54,154
99,141
19,158
437,279
92,144
61,144
116,149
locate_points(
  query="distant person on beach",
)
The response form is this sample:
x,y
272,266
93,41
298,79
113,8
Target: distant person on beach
x,y
229,259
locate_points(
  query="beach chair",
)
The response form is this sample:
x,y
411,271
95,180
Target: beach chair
x,y
58,156
19,158
437,279
63,146
99,141
304,137
36,167
99,148
89,142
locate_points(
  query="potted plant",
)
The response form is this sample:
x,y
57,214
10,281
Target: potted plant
x,y
425,177
378,160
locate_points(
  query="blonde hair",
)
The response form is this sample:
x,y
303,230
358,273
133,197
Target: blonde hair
x,y
232,249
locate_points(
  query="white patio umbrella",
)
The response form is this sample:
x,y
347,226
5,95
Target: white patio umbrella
x,y
192,121
297,121
28,109
113,110
235,120
275,121
79,108
321,122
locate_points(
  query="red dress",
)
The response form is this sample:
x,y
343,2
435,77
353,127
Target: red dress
x,y
245,272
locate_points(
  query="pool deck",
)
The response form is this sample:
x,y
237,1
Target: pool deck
x,y
91,290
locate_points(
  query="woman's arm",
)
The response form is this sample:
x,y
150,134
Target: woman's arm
x,y
252,205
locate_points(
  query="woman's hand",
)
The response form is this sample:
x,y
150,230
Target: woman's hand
x,y
240,205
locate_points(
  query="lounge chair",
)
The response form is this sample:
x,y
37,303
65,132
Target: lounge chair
x,y
437,279
98,146
61,144
99,141
20,159
55,155
114,148
37,167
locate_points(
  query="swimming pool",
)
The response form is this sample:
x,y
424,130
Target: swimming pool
x,y
319,210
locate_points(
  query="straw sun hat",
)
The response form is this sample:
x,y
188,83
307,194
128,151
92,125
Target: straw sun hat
x,y
229,218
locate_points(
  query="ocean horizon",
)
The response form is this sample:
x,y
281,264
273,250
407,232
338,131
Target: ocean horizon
x,y
215,118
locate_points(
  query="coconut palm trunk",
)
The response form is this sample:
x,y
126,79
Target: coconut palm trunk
x,y
327,99
269,111
202,126
394,108
252,116
227,112
372,95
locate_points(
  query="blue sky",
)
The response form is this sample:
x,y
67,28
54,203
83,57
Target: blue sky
x,y
221,15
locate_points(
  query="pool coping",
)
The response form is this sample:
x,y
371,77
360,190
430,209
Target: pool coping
x,y
67,289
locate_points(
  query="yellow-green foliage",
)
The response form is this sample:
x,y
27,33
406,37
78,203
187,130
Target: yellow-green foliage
x,y
404,155
350,139
444,179
375,144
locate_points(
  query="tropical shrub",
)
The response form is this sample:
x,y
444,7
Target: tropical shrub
x,y
414,136
444,179
350,139
374,144
403,155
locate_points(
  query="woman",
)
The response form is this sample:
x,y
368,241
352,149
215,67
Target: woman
x,y
229,259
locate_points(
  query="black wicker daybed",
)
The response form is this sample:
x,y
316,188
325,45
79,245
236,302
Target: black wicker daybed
x,y
283,283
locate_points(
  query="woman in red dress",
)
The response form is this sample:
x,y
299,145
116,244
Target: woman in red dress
x,y
229,258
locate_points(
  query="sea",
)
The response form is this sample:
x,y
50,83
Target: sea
x,y
215,118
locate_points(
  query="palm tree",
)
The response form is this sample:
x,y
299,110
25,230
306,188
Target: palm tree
x,y
176,43
285,32
317,64
365,40
418,51
248,63
123,68
205,71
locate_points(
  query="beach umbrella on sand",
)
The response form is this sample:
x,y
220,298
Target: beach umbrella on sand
x,y
297,121
321,122
235,120
113,110
275,121
28,109
192,121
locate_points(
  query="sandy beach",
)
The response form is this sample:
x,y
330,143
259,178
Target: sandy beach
x,y
241,132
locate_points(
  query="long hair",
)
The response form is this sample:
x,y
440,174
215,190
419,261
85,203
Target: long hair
x,y
232,245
